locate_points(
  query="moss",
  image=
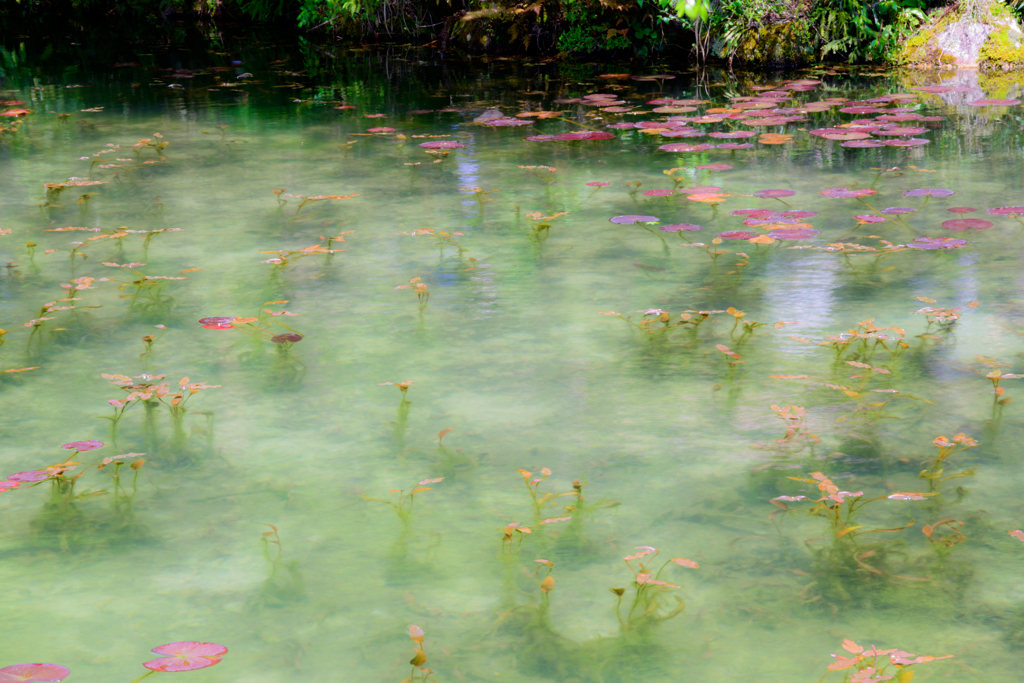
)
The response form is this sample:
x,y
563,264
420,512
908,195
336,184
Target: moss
x,y
999,50
780,43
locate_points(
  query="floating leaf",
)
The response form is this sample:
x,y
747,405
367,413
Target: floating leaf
x,y
33,672
186,656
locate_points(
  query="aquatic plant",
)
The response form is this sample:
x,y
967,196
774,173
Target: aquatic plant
x,y
540,225
419,672
420,287
286,257
545,173
402,418
848,558
871,665
946,449
650,603
442,238
402,505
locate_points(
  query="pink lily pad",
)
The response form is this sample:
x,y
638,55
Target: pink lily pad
x,y
381,129
799,214
911,142
586,135
29,476
994,103
900,130
936,243
681,227
734,145
83,446
658,193
967,224
682,133
732,135
700,189
793,233
844,193
186,656
33,672
540,138
683,147
598,183
1007,211
737,235
846,136
506,122
774,194
7,485
630,220
620,126
899,118
755,213
869,218
442,144
929,192
218,320
713,167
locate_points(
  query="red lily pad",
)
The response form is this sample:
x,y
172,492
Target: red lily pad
x,y
961,209
33,672
630,220
967,224
929,192
598,183
1007,211
442,144
844,193
734,145
869,218
899,118
658,193
755,213
936,243
218,320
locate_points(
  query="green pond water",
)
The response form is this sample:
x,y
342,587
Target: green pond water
x,y
675,443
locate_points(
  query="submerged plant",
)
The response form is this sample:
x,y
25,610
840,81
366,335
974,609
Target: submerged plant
x,y
946,449
420,287
284,582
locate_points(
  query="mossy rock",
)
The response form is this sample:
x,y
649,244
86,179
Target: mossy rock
x,y
787,43
992,42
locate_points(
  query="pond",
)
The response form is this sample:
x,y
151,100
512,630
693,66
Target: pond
x,y
768,325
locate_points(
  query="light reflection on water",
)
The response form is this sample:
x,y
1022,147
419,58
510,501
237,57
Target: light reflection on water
x,y
510,352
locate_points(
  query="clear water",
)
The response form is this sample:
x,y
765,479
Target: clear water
x,y
677,449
